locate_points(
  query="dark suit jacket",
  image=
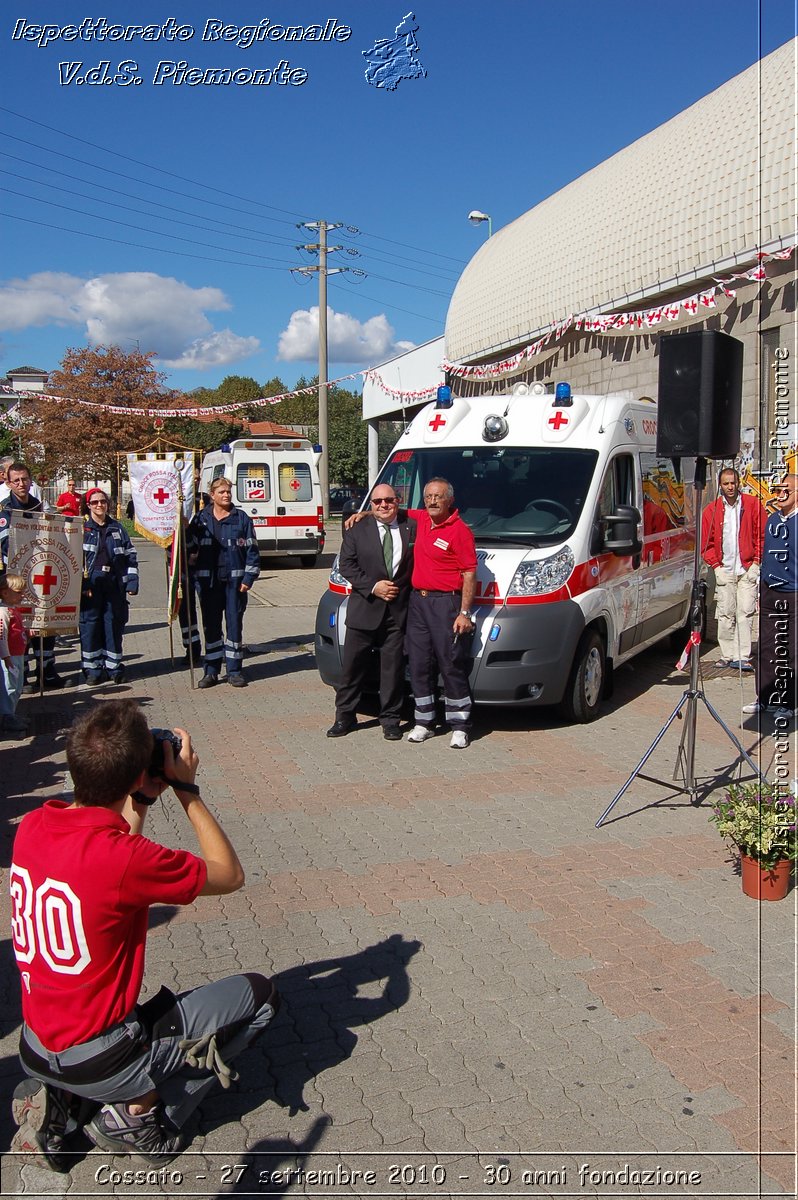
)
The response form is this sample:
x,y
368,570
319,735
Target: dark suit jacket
x,y
362,563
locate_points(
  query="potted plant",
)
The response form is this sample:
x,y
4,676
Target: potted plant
x,y
759,818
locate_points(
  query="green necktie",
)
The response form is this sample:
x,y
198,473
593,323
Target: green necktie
x,y
387,550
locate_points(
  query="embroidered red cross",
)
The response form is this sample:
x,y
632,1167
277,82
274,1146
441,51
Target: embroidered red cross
x,y
437,422
48,580
161,496
557,420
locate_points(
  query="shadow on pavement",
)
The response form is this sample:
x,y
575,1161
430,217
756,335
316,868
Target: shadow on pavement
x,y
272,1159
315,1029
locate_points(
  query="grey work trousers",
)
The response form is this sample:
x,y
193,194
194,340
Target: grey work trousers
x,y
236,1009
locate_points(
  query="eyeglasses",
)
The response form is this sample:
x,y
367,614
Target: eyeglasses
x,y
383,501
94,503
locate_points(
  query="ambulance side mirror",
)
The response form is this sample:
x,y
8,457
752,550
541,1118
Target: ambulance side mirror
x,y
620,531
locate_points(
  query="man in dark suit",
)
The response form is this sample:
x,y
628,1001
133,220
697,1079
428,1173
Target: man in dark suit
x,y
377,559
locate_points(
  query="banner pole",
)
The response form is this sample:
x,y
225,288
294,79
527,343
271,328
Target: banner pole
x,y
171,638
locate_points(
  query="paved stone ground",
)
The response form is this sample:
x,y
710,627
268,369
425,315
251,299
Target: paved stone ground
x,y
483,993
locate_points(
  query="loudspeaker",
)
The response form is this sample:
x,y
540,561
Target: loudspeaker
x,y
700,395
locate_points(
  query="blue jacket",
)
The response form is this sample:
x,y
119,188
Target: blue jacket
x,y
780,556
6,506
234,558
124,567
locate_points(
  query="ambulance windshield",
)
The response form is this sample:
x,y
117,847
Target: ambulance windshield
x,y
505,494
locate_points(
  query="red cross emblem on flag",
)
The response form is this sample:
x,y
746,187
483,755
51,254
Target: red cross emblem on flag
x,y
161,496
47,580
557,420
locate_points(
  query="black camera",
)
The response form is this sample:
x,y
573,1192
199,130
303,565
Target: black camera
x,y
159,736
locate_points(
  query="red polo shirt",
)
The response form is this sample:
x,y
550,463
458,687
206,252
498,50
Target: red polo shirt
x,y
441,552
81,886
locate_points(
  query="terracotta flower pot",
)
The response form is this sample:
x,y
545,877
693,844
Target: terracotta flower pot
x,y
769,884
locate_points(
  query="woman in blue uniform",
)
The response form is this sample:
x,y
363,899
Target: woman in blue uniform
x,y
110,575
223,550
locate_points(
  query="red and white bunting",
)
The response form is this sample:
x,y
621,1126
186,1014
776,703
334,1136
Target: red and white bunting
x,y
210,410
610,322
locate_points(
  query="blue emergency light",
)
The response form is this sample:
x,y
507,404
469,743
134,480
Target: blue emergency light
x,y
562,396
444,397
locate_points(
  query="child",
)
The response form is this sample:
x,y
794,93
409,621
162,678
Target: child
x,y
13,640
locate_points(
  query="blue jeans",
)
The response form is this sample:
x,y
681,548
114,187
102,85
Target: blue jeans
x,y
11,681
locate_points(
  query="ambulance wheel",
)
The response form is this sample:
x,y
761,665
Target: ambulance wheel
x,y
308,560
582,699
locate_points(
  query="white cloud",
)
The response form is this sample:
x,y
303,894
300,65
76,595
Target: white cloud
x,y
156,312
221,347
348,340
49,298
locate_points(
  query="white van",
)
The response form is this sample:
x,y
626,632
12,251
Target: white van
x,y
276,482
585,538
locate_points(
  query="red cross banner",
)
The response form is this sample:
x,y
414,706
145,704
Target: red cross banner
x,y
47,551
155,481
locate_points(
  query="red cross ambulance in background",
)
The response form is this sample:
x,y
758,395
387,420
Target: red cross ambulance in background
x,y
276,482
585,538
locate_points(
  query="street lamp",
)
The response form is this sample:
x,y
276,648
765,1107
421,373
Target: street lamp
x,y
476,218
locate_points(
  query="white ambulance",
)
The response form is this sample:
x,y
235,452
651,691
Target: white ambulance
x,y
585,538
276,482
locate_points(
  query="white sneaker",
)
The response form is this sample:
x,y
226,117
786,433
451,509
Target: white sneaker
x,y
460,740
753,707
419,733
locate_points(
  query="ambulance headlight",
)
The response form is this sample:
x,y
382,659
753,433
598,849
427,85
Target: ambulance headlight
x,y
335,575
545,575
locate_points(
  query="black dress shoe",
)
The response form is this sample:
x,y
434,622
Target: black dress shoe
x,y
392,733
341,728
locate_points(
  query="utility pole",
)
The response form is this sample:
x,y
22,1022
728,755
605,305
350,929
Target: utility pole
x,y
322,249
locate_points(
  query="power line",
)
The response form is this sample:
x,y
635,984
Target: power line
x,y
277,240
139,163
183,180
127,225
137,245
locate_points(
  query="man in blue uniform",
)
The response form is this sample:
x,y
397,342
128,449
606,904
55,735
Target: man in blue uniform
x,y
223,550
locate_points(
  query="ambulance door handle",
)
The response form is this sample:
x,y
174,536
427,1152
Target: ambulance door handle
x,y
280,511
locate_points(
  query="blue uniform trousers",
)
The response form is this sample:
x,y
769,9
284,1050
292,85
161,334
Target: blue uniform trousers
x,y
431,650
223,599
187,616
103,616
47,655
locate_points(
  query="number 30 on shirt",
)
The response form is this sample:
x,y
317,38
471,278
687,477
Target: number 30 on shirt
x,y
47,920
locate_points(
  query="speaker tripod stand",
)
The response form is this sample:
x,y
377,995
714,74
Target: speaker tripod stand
x,y
685,755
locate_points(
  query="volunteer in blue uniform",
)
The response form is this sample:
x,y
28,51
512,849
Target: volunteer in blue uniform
x,y
223,550
110,575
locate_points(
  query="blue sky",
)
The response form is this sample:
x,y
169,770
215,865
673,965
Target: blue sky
x,y
190,195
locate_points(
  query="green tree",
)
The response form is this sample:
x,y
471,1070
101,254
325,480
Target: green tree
x,y
237,389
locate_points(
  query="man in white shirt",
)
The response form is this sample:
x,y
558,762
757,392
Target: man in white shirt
x,y
733,531
5,490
